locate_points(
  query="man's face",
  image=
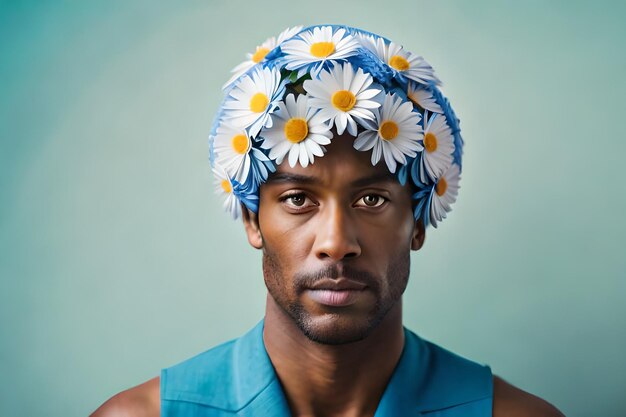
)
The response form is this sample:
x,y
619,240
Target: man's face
x,y
336,239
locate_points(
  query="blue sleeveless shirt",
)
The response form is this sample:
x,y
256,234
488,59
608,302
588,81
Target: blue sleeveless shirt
x,y
238,379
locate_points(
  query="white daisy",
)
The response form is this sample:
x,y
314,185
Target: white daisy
x,y
395,133
422,96
438,147
236,154
224,187
341,95
311,49
261,52
298,130
252,101
288,34
400,61
444,194
232,148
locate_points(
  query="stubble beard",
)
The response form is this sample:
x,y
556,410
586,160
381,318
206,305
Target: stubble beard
x,y
334,330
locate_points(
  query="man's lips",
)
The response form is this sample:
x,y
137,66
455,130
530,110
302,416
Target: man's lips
x,y
339,292
339,284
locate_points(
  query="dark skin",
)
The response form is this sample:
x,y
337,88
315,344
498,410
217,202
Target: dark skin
x,y
340,219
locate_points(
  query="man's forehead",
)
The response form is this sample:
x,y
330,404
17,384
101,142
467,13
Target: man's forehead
x,y
313,178
341,164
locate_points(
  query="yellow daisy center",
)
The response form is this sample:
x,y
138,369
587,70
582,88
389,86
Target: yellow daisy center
x,y
259,102
322,49
343,100
441,186
388,130
226,186
240,143
430,142
399,62
296,130
260,54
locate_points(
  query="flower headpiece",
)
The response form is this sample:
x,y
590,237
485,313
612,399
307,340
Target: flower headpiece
x,y
284,100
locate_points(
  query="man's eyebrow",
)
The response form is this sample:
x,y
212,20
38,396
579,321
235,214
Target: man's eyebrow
x,y
373,179
282,177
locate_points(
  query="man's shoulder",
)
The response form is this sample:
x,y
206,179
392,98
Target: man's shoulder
x,y
140,401
510,401
144,400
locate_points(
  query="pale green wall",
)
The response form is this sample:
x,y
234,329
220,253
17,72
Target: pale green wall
x,y
116,259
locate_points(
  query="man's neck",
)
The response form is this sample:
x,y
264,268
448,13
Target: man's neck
x,y
332,380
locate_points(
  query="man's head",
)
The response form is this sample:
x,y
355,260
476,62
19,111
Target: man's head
x,y
340,147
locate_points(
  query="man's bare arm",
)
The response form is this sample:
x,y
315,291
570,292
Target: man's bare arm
x,y
509,401
140,401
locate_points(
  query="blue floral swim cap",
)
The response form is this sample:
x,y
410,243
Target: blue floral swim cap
x,y
282,102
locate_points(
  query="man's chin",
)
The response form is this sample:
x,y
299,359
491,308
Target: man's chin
x,y
335,329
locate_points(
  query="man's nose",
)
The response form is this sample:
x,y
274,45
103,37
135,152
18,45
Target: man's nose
x,y
336,234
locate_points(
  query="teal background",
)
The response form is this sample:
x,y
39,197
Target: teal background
x,y
116,258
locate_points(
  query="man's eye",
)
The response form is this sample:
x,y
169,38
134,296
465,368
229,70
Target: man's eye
x,y
371,200
295,200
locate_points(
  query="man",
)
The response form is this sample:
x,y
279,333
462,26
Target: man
x,y
336,162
